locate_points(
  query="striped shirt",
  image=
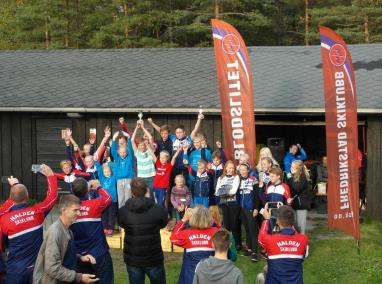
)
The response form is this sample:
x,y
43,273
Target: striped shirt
x,y
145,164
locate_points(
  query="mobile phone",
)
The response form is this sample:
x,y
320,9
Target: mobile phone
x,y
93,131
36,168
4,179
272,205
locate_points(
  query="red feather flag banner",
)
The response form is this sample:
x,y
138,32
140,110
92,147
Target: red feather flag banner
x,y
341,133
236,91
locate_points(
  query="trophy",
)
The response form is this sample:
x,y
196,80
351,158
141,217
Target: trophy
x,y
140,115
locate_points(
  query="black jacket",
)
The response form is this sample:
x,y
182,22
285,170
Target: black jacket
x,y
142,220
300,188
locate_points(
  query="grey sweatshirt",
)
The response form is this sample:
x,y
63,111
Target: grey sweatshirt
x,y
214,270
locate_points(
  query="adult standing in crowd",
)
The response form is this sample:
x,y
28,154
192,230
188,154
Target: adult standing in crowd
x,y
196,240
142,220
265,152
322,170
285,249
296,152
298,185
57,258
22,226
88,230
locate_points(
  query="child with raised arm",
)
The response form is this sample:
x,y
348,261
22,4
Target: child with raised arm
x,y
123,156
180,197
164,143
142,152
179,139
88,149
162,175
72,151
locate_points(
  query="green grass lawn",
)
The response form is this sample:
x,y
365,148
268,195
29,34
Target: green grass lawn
x,y
333,259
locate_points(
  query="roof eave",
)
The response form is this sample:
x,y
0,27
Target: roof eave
x,y
282,111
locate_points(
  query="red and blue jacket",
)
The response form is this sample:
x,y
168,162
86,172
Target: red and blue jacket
x,y
89,237
22,227
69,178
278,192
4,208
197,244
286,250
249,193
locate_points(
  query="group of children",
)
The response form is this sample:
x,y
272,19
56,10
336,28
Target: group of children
x,y
181,171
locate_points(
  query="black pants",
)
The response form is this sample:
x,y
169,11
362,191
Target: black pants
x,y
251,228
231,213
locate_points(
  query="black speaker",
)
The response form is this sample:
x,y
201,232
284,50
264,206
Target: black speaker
x,y
277,147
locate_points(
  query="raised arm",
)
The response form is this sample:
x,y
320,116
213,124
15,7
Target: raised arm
x,y
105,199
4,208
173,159
52,194
302,155
152,153
70,137
148,134
102,147
197,125
155,126
123,125
113,149
135,148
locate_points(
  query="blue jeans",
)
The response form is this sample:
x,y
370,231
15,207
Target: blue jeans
x,y
159,194
103,268
156,274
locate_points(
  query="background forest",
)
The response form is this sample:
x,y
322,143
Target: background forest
x,y
28,24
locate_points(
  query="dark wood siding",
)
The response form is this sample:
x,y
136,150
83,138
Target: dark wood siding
x,y
374,168
36,138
